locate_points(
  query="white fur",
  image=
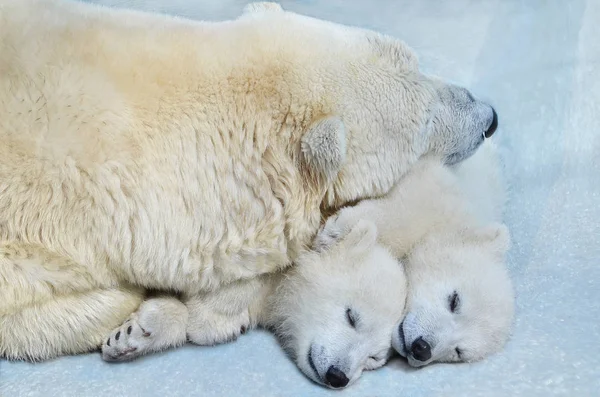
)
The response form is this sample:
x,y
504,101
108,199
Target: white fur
x,y
444,224
306,307
308,310
170,154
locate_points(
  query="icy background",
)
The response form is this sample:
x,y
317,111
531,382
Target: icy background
x,y
538,63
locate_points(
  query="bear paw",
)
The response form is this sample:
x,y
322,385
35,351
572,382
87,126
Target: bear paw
x,y
127,342
159,324
213,329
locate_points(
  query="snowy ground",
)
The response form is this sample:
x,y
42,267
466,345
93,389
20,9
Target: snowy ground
x,y
538,62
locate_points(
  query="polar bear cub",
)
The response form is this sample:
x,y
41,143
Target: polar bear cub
x,y
334,310
444,224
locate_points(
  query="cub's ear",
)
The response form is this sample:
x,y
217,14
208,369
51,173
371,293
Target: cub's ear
x,y
261,6
329,234
361,238
324,147
352,240
496,235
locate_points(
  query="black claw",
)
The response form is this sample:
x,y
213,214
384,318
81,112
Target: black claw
x,y
117,335
129,330
108,342
243,330
145,333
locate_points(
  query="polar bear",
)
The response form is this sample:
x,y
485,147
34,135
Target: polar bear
x,y
145,152
334,310
444,223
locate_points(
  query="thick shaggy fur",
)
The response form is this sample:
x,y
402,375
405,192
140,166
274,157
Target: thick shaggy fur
x,y
335,308
445,224
141,150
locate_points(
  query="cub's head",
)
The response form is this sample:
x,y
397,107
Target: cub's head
x,y
335,309
460,303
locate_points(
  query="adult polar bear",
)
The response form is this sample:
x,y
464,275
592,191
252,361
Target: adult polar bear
x,y
146,152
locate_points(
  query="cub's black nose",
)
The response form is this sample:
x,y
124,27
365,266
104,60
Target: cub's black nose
x,y
421,350
492,128
336,378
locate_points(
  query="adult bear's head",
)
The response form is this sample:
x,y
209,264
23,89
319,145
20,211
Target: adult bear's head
x,y
361,111
385,114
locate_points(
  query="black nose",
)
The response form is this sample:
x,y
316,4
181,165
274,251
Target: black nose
x,y
490,131
336,378
421,350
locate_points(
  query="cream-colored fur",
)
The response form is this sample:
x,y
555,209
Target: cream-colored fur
x,y
445,224
140,149
334,310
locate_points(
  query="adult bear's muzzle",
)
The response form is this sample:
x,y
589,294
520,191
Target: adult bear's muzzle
x,y
493,126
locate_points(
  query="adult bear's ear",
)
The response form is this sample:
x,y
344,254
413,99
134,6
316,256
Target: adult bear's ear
x,y
324,148
261,6
394,51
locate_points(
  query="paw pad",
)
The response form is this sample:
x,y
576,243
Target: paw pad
x,y
127,342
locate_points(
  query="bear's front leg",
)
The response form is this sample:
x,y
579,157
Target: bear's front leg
x,y
221,316
208,326
206,318
158,324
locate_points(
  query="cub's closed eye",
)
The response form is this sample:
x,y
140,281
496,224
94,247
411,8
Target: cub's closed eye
x,y
350,316
453,302
458,352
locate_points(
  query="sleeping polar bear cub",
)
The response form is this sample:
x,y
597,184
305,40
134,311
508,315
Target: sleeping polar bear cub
x,y
333,311
144,152
444,225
